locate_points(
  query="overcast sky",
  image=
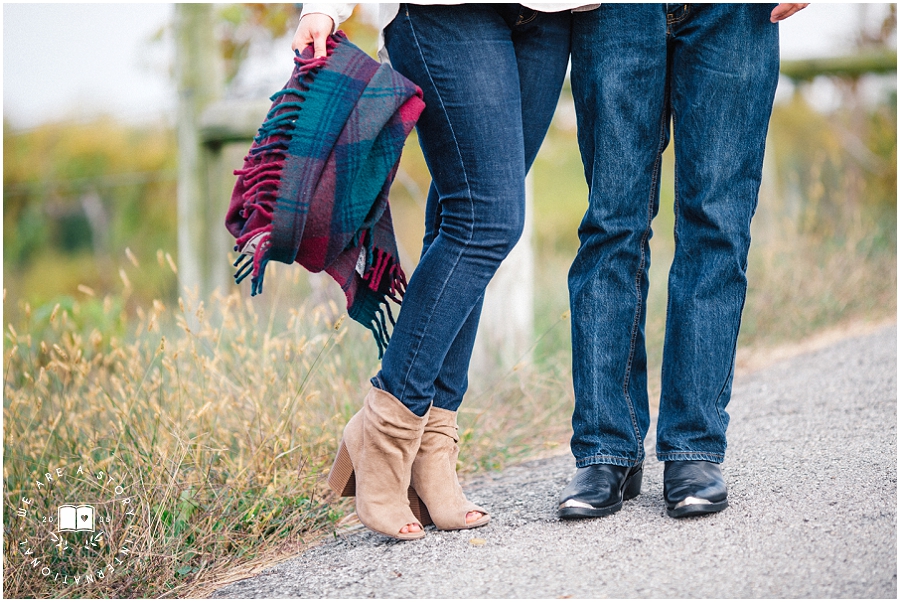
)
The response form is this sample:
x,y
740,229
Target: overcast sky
x,y
77,60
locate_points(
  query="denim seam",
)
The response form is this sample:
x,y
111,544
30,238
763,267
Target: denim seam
x,y
415,353
684,15
730,369
722,390
521,21
631,351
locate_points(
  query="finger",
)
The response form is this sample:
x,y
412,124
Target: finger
x,y
790,12
783,11
319,45
778,12
301,40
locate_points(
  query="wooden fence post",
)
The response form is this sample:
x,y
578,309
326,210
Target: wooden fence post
x,y
198,74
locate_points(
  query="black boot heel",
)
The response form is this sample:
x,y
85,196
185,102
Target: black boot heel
x,y
633,485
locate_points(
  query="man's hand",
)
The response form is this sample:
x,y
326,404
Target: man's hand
x,y
783,11
314,29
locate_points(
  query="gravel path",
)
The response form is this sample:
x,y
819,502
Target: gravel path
x,y
812,477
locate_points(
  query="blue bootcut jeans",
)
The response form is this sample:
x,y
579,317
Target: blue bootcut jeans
x,y
491,77
711,69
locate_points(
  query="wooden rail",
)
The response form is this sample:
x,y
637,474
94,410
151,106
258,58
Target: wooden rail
x,y
850,67
226,121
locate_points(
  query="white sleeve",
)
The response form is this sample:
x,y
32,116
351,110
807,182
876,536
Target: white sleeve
x,y
338,11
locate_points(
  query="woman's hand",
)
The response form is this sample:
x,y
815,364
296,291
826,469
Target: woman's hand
x,y
314,29
783,11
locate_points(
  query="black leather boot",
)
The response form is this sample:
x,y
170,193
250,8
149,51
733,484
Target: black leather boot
x,y
599,490
693,487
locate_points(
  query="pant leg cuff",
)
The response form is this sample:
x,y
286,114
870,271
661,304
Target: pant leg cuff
x,y
419,410
676,456
600,459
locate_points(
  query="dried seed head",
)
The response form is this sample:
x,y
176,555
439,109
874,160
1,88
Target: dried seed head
x,y
125,279
171,263
131,257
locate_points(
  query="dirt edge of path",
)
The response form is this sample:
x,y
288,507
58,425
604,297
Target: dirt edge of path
x,y
751,359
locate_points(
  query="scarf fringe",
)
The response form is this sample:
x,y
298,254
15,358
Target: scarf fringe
x,y
385,264
372,301
374,310
253,257
398,284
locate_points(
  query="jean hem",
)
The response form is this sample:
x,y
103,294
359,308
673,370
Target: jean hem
x,y
689,456
614,460
378,383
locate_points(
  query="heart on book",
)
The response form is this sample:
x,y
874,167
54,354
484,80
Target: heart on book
x,y
84,517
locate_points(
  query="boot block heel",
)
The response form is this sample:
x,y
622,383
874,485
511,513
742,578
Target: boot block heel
x,y
341,478
633,485
418,507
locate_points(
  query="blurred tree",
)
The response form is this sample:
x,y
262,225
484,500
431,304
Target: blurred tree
x,y
242,25
877,36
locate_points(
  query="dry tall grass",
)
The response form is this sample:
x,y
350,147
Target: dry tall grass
x,y
224,428
216,421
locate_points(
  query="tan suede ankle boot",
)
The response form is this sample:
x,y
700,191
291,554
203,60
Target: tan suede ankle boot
x,y
374,462
434,474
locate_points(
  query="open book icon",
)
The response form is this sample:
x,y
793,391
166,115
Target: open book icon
x,y
75,518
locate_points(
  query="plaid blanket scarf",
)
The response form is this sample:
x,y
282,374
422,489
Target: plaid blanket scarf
x,y
314,185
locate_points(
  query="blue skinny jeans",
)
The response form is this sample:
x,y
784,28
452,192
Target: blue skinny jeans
x,y
491,77
712,69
